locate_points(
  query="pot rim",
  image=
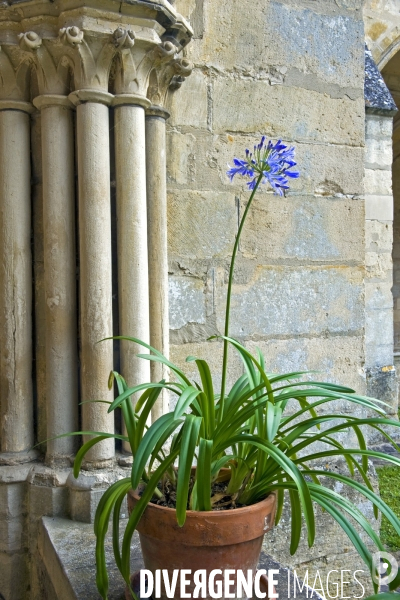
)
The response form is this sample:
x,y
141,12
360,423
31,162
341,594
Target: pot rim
x,y
208,513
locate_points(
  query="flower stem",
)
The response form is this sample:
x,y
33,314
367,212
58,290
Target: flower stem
x,y
228,299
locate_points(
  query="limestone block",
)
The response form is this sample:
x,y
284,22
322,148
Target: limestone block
x,y
47,495
201,224
303,228
378,182
379,236
286,112
199,160
382,383
335,170
182,157
327,45
378,152
46,500
186,301
13,510
86,491
12,535
378,295
12,500
378,266
378,337
295,300
378,127
193,93
14,576
379,207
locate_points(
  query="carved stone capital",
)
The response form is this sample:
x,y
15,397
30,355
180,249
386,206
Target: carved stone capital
x,y
29,41
71,35
123,38
83,53
52,75
169,76
14,74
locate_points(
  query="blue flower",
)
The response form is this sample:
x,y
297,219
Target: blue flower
x,y
271,161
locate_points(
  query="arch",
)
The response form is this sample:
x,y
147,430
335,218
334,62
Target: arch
x,y
387,54
390,69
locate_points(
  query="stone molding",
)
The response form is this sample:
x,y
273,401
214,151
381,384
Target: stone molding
x,y
47,100
93,61
83,96
157,111
130,100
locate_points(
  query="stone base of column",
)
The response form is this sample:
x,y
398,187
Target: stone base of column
x,y
86,491
18,458
29,491
14,538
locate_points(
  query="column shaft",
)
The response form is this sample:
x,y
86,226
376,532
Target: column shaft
x,y
16,410
158,252
133,287
95,271
60,278
39,310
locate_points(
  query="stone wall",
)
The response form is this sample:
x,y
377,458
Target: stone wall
x,y
381,375
299,282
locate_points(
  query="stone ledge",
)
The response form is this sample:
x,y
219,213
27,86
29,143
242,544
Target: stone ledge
x,y
67,549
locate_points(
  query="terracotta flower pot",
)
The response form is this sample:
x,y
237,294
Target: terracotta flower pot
x,y
228,539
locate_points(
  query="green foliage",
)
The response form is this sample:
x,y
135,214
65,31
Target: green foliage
x,y
266,448
389,487
248,430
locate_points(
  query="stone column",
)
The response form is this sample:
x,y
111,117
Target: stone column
x,y
16,399
38,309
133,276
60,273
95,264
157,235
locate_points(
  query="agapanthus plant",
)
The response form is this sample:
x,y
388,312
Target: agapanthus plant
x,y
248,430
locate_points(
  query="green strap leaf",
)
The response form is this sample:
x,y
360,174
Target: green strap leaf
x,y
147,445
190,434
80,455
295,520
139,510
103,513
185,400
294,473
203,474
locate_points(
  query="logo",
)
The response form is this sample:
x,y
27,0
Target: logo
x,y
385,568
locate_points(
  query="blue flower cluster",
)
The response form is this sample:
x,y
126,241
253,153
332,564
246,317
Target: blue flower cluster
x,y
271,161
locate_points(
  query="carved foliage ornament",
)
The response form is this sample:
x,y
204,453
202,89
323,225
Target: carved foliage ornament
x,y
145,72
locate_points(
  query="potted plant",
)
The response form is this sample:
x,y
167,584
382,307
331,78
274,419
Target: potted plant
x,y
248,448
